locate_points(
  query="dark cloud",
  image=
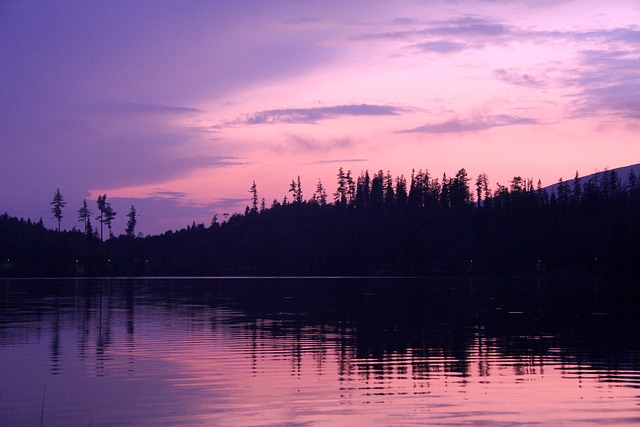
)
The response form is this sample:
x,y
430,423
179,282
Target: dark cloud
x,y
314,115
482,123
517,79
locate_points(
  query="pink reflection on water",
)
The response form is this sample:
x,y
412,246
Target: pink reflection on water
x,y
241,376
145,359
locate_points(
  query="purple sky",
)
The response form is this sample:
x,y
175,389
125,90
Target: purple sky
x,y
176,107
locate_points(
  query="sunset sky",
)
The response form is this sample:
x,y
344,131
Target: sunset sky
x,y
177,106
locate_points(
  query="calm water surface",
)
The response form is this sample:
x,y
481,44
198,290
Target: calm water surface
x,y
312,352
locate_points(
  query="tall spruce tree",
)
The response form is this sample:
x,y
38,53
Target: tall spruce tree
x,y
84,216
254,197
109,216
56,206
102,203
130,231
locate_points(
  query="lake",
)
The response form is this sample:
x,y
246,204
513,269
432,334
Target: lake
x,y
318,352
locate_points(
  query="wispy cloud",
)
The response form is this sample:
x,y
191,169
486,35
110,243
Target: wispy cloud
x,y
314,115
470,26
138,108
334,161
608,82
444,46
518,79
159,193
303,143
474,125
217,161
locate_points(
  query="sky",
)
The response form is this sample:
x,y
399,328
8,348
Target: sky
x,y
176,107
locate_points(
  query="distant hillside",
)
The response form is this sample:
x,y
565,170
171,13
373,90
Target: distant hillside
x,y
622,173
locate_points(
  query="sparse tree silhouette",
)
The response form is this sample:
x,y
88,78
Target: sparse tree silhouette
x,y
299,198
351,188
340,196
102,203
254,197
296,191
576,195
107,215
320,196
56,206
84,216
131,222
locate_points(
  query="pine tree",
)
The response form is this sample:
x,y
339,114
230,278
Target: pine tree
x,y
296,191
131,223
401,191
340,196
377,190
351,188
389,194
56,206
102,201
577,189
84,216
254,197
299,191
109,216
320,196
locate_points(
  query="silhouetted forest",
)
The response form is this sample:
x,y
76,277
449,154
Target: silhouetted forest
x,y
371,225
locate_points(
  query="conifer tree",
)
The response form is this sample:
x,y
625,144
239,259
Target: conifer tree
x,y
577,189
340,196
389,194
299,191
131,223
254,197
102,201
320,196
296,191
109,216
56,206
84,216
401,191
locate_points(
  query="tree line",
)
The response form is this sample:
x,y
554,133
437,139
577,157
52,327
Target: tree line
x,y
106,216
372,224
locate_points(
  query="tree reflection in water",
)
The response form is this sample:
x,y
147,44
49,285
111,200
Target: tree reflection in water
x,y
349,341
